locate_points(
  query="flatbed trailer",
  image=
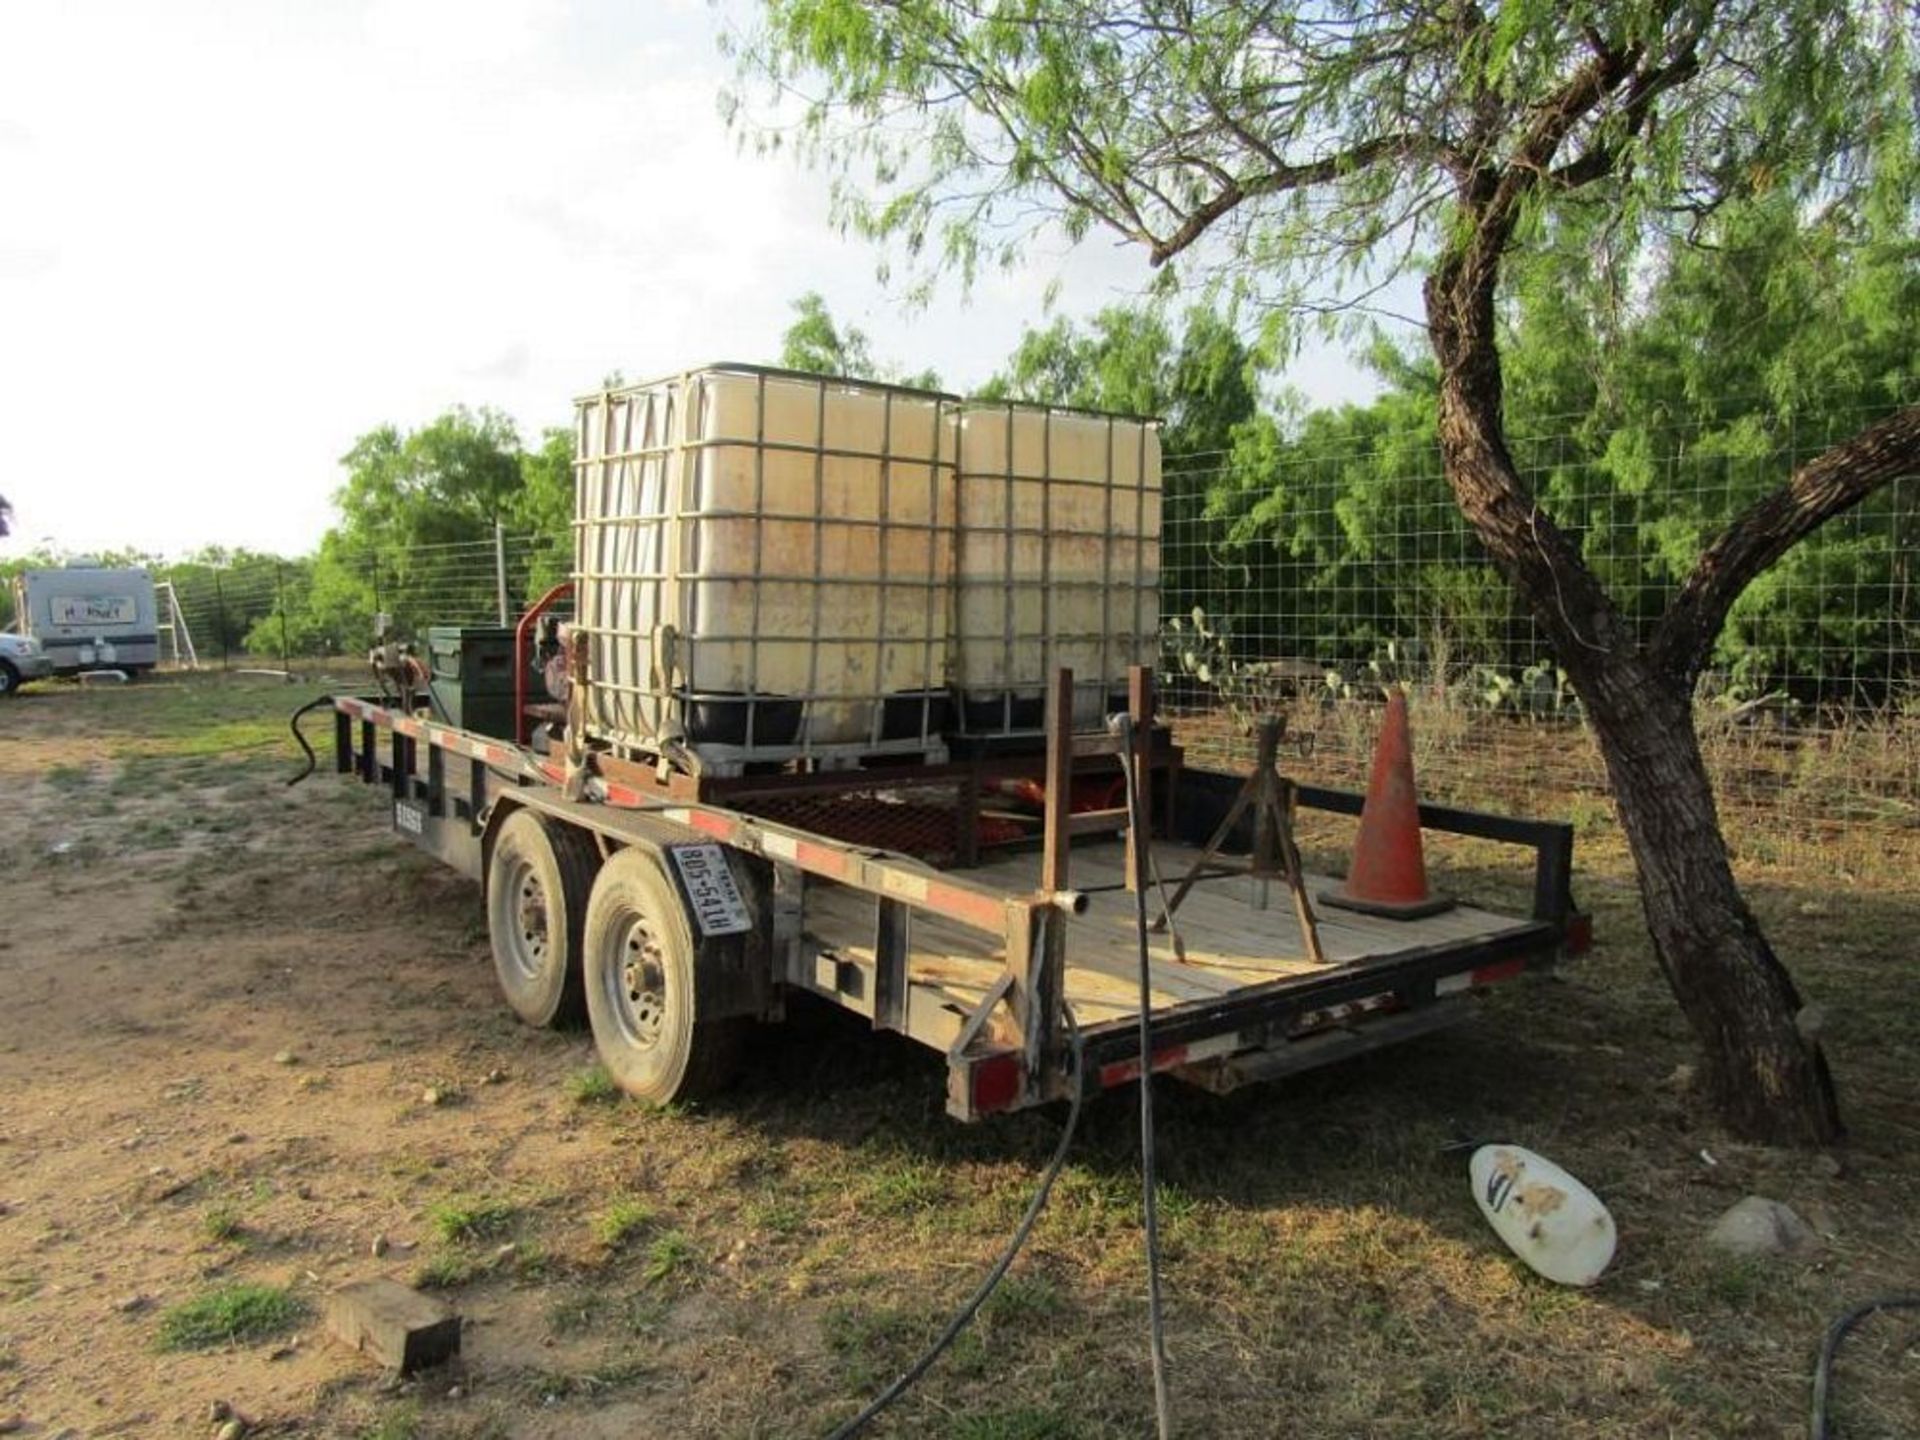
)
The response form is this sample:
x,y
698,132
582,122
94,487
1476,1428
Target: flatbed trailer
x,y
677,914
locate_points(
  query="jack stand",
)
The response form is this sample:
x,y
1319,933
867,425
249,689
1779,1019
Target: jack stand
x,y
1275,856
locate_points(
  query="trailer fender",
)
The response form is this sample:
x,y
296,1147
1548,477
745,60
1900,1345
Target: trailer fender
x,y
746,960
726,895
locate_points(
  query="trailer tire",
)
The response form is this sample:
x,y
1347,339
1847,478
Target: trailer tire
x,y
9,680
649,1001
539,875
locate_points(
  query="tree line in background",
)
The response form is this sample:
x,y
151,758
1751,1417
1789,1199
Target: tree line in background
x,y
417,516
1322,535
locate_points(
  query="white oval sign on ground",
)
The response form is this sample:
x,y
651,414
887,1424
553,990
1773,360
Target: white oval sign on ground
x,y
1548,1218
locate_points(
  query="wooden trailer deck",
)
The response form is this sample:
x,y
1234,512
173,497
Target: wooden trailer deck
x,y
1229,945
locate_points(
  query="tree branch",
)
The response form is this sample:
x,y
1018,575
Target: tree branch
x,y
1646,87
1826,486
1553,121
1278,181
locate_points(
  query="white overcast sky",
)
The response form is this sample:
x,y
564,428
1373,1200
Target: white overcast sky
x,y
236,234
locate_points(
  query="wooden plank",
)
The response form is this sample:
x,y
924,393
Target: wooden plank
x,y
1223,909
1037,953
401,1328
1055,848
954,959
967,981
1100,942
892,941
841,919
1229,945
1097,822
1172,982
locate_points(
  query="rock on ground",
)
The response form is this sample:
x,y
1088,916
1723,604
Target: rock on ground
x,y
1757,1226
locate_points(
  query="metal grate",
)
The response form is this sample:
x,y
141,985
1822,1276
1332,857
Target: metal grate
x,y
923,822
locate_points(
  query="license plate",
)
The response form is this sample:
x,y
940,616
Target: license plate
x,y
711,890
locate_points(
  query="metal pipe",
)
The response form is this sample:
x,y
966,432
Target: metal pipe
x,y
520,631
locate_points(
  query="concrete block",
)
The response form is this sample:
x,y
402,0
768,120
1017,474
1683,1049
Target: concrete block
x,y
401,1328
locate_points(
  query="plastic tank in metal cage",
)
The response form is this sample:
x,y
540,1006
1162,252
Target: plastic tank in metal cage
x,y
1058,561
764,563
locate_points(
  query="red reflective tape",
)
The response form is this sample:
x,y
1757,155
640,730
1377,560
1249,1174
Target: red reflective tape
x,y
498,755
988,912
716,825
623,795
1505,970
1121,1071
821,859
408,727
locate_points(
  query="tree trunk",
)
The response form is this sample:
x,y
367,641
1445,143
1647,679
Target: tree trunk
x,y
1763,1067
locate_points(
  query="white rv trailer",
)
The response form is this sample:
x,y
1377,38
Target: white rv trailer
x,y
87,617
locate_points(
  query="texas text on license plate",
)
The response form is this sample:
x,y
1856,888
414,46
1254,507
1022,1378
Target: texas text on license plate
x,y
711,891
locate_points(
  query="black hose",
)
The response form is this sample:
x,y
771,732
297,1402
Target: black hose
x,y
1836,1332
966,1312
313,760
1149,1189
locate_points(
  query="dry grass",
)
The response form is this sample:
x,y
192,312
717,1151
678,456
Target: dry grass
x,y
782,1251
1806,794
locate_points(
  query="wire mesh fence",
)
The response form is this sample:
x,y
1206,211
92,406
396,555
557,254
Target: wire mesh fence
x,y
1306,584
263,610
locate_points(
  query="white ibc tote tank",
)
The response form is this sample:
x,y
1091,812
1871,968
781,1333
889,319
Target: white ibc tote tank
x,y
764,563
1057,560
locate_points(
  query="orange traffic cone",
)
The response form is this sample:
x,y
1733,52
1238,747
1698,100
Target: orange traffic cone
x,y
1389,872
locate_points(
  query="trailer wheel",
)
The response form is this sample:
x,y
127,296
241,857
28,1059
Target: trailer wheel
x,y
647,999
538,878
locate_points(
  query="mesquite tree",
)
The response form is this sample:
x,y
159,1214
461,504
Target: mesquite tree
x,y
1310,152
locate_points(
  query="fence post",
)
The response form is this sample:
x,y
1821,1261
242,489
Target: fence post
x,y
220,617
500,567
280,598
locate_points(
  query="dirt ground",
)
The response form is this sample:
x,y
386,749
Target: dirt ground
x,y
247,1038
